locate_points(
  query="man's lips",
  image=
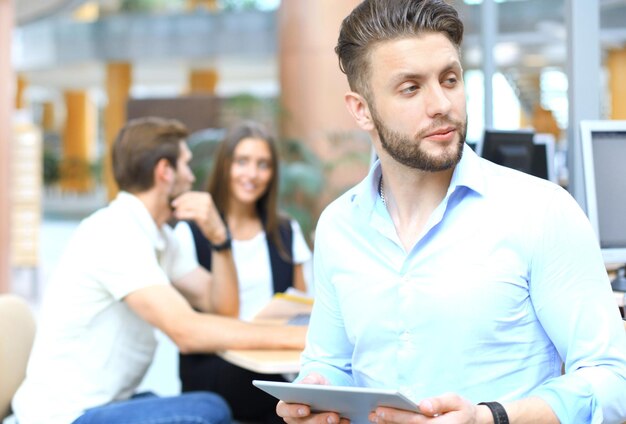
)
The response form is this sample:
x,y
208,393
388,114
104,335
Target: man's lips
x,y
441,132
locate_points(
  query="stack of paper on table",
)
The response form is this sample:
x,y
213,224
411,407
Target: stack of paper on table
x,y
285,306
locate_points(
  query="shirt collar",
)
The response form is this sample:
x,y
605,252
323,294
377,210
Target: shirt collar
x,y
467,173
141,215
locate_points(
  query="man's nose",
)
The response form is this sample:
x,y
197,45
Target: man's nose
x,y
438,102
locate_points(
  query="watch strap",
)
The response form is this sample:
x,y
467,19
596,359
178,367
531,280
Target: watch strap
x,y
225,245
498,412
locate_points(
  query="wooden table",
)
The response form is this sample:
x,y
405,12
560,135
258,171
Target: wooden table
x,y
265,361
282,307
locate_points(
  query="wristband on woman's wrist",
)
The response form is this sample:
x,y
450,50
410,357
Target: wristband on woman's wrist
x,y
498,412
225,245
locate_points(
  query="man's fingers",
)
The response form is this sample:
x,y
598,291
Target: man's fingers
x,y
443,404
384,415
292,410
193,199
294,413
314,378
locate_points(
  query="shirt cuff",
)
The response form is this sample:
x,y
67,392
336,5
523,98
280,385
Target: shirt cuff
x,y
571,398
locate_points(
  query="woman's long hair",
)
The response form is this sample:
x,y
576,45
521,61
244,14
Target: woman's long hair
x,y
219,181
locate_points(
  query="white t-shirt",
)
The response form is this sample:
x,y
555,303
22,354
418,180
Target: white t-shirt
x,y
252,261
91,348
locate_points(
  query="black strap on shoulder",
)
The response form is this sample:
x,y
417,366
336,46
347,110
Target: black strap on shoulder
x,y
203,246
282,269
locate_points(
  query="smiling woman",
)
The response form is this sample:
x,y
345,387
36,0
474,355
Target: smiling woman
x,y
268,249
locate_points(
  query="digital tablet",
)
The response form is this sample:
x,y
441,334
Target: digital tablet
x,y
354,403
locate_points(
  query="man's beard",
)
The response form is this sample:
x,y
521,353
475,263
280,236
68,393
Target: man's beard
x,y
407,150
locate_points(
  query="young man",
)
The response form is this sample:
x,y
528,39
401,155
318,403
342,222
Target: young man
x,y
480,280
121,277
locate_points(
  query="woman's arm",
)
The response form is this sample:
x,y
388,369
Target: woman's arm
x,y
298,278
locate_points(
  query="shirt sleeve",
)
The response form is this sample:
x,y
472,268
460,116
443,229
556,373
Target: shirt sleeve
x,y
124,267
301,251
328,350
183,250
573,300
186,245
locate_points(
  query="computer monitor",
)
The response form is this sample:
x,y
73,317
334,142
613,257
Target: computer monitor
x,y
543,164
513,149
473,145
603,153
538,160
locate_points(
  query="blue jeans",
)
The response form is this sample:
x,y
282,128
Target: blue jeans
x,y
147,408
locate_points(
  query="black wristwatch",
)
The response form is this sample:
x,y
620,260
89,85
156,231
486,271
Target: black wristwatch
x,y
498,412
225,245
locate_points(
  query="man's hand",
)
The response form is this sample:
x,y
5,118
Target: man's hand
x,y
296,413
447,408
220,292
199,207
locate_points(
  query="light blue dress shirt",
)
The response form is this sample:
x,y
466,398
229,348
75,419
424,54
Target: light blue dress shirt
x,y
505,282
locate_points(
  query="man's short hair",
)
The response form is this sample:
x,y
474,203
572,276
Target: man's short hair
x,y
139,146
374,21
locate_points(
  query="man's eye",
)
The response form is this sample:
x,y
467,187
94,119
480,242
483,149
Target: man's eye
x,y
408,90
451,81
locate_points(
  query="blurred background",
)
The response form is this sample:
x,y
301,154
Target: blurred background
x,y
73,71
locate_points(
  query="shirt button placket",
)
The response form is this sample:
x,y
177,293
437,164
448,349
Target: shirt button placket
x,y
404,342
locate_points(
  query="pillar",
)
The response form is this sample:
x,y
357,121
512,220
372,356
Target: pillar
x,y
20,89
616,64
312,86
210,5
203,81
118,83
312,89
6,124
489,35
78,141
47,116
582,19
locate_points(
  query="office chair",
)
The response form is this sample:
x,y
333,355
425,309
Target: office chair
x,y
17,331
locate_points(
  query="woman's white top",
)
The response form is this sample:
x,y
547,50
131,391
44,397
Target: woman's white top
x,y
252,261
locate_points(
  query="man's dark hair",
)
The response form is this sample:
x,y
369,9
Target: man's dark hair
x,y
139,146
374,21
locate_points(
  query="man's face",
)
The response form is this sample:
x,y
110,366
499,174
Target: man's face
x,y
418,101
184,178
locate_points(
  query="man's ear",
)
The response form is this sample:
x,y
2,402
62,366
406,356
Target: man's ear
x,y
163,171
359,109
